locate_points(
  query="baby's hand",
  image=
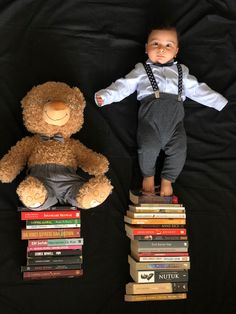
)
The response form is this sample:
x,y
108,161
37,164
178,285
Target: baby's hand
x,y
99,100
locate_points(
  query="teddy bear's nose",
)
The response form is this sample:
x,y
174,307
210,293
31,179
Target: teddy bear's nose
x,y
58,105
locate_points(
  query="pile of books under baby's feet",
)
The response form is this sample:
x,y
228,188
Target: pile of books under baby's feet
x,y
159,259
54,243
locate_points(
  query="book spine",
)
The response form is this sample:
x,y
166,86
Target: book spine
x,y
50,267
163,259
70,273
155,221
160,244
155,297
157,238
167,287
52,248
50,215
167,231
55,260
55,242
49,233
155,215
52,222
62,226
54,253
151,276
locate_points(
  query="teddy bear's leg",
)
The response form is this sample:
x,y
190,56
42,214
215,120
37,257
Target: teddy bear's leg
x,y
32,192
94,192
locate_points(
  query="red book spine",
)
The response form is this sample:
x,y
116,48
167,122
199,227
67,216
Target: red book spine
x,y
161,231
50,215
52,248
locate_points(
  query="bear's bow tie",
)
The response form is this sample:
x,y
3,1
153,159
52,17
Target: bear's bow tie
x,y
56,137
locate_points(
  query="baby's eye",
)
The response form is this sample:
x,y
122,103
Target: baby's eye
x,y
169,45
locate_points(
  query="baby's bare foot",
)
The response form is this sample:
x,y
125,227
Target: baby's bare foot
x,y
166,188
148,186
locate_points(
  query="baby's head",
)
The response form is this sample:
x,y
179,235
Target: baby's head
x,y
162,44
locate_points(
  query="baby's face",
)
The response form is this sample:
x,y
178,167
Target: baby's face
x,y
162,46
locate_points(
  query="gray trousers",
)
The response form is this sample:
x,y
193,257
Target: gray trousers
x,y
161,127
62,183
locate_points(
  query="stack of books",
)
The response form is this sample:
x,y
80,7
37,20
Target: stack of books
x,y
159,259
54,247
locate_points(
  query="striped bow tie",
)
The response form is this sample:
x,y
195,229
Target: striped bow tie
x,y
57,137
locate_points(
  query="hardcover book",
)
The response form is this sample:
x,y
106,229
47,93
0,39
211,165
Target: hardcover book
x,y
151,276
134,230
134,214
157,265
55,208
53,247
138,197
50,267
155,221
54,260
155,297
160,257
54,253
50,274
55,242
148,288
156,237
27,234
159,246
155,208
48,215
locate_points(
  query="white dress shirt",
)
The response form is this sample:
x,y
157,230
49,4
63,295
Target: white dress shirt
x,y
167,80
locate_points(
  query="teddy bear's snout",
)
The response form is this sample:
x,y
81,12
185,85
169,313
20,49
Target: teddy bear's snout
x,y
56,113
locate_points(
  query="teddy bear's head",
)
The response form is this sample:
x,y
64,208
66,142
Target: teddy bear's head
x,y
53,108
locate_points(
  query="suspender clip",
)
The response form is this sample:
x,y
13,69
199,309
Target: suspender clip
x,y
157,94
179,98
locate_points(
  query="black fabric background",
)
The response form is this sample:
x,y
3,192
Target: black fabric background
x,y
89,44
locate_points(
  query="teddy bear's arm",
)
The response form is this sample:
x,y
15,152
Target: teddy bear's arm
x,y
14,161
90,161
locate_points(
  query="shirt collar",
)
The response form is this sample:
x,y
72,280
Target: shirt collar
x,y
170,63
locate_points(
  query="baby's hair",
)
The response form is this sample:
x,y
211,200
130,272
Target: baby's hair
x,y
163,27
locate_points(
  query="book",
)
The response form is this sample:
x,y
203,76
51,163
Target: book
x,y
60,223
159,246
62,226
157,208
154,221
155,297
54,260
52,248
50,267
50,274
152,276
149,288
55,208
55,242
157,265
27,234
160,257
133,214
157,237
134,230
138,197
48,215
54,253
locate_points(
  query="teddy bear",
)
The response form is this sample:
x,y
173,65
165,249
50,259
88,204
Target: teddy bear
x,y
52,112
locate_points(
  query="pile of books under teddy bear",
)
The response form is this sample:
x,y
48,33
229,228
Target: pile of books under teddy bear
x,y
54,248
159,259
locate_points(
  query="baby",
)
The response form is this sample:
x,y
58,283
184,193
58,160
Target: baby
x,y
162,85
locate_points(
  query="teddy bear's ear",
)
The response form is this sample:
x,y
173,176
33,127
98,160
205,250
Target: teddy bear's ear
x,y
80,96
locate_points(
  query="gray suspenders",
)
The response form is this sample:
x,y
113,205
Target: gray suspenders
x,y
154,82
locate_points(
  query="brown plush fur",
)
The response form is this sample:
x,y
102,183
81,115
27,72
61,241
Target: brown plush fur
x,y
31,150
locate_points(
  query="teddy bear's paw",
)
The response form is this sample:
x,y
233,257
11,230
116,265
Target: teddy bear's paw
x,y
94,192
32,192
